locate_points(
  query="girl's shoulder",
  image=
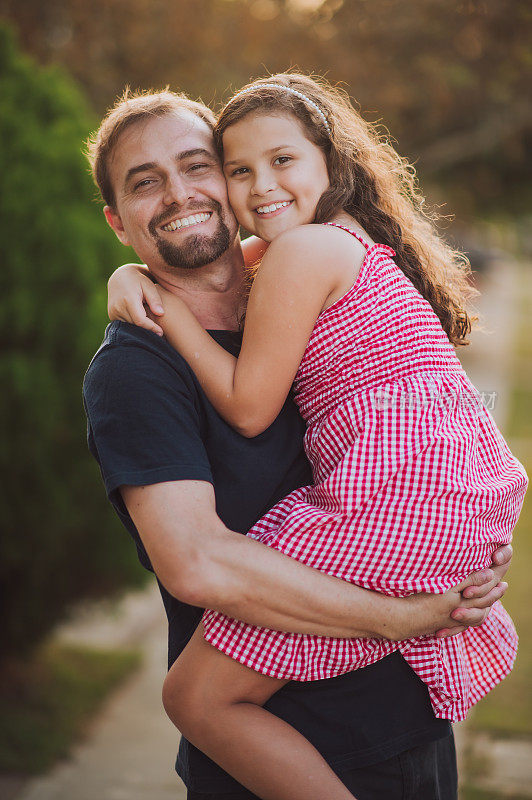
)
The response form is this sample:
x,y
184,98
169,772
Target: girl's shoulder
x,y
316,244
323,259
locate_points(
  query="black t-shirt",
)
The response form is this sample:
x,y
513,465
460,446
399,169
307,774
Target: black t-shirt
x,y
148,422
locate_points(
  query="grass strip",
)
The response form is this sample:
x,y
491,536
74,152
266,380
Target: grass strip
x,y
507,710
473,793
47,701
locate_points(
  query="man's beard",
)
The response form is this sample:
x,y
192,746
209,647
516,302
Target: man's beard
x,y
197,250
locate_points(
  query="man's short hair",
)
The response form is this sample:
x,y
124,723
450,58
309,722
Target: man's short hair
x,y
132,107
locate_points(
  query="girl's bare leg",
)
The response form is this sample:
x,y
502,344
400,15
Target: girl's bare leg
x,y
216,703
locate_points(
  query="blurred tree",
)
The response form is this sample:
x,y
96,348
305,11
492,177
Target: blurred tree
x,y
59,541
450,79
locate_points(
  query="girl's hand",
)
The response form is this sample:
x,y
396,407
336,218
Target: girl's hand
x,y
479,591
465,605
130,294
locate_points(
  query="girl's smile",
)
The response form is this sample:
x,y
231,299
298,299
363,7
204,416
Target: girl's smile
x,y
275,175
273,209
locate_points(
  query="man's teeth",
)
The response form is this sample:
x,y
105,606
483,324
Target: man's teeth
x,y
273,207
185,221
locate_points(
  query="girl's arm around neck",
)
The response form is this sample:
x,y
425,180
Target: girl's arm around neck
x,y
253,249
300,271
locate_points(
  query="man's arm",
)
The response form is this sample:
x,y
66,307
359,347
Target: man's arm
x,y
203,563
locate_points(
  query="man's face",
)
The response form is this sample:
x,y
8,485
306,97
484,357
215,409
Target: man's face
x,y
171,195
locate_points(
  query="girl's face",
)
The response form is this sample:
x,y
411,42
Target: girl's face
x,y
275,175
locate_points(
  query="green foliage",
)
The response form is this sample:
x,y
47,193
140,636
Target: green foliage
x,y
59,540
46,702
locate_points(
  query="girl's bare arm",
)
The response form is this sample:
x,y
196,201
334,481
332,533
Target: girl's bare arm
x,y
131,291
253,249
300,271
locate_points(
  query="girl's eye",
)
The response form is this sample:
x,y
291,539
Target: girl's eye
x,y
239,171
282,160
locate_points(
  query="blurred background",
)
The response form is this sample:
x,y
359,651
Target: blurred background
x,y
451,82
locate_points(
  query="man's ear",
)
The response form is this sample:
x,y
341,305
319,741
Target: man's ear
x,y
115,221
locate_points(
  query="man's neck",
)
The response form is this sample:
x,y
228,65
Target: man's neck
x,y
214,293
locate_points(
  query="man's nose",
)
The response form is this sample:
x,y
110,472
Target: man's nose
x,y
263,182
177,190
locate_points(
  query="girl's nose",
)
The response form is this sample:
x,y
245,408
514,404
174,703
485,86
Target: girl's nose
x,y
263,183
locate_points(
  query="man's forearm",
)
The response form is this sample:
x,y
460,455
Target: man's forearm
x,y
261,586
249,581
203,563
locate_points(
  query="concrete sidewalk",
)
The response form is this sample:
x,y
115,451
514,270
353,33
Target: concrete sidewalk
x,y
130,749
488,359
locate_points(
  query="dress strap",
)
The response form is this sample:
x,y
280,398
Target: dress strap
x,y
352,232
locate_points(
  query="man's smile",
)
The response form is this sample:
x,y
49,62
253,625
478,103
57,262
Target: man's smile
x,y
185,222
176,218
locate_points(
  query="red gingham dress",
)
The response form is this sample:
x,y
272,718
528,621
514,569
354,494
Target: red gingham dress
x,y
414,489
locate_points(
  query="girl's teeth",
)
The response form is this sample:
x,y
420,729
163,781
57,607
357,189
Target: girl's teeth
x,y
273,207
186,221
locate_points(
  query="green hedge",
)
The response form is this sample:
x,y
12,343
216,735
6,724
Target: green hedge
x,y
60,541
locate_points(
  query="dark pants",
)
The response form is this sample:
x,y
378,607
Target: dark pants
x,y
427,772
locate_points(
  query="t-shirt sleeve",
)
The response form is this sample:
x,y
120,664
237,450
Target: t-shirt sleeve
x,y
143,423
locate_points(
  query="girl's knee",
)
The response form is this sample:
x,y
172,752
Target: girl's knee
x,y
186,700
176,695
205,685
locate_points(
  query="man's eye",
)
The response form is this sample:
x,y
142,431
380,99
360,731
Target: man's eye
x,y
143,183
198,167
282,160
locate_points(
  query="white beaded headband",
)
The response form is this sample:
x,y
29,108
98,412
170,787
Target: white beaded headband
x,y
285,89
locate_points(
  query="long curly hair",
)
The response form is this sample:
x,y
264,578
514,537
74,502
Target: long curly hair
x,y
372,183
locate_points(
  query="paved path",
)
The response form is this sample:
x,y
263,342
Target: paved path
x,y
131,747
488,359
